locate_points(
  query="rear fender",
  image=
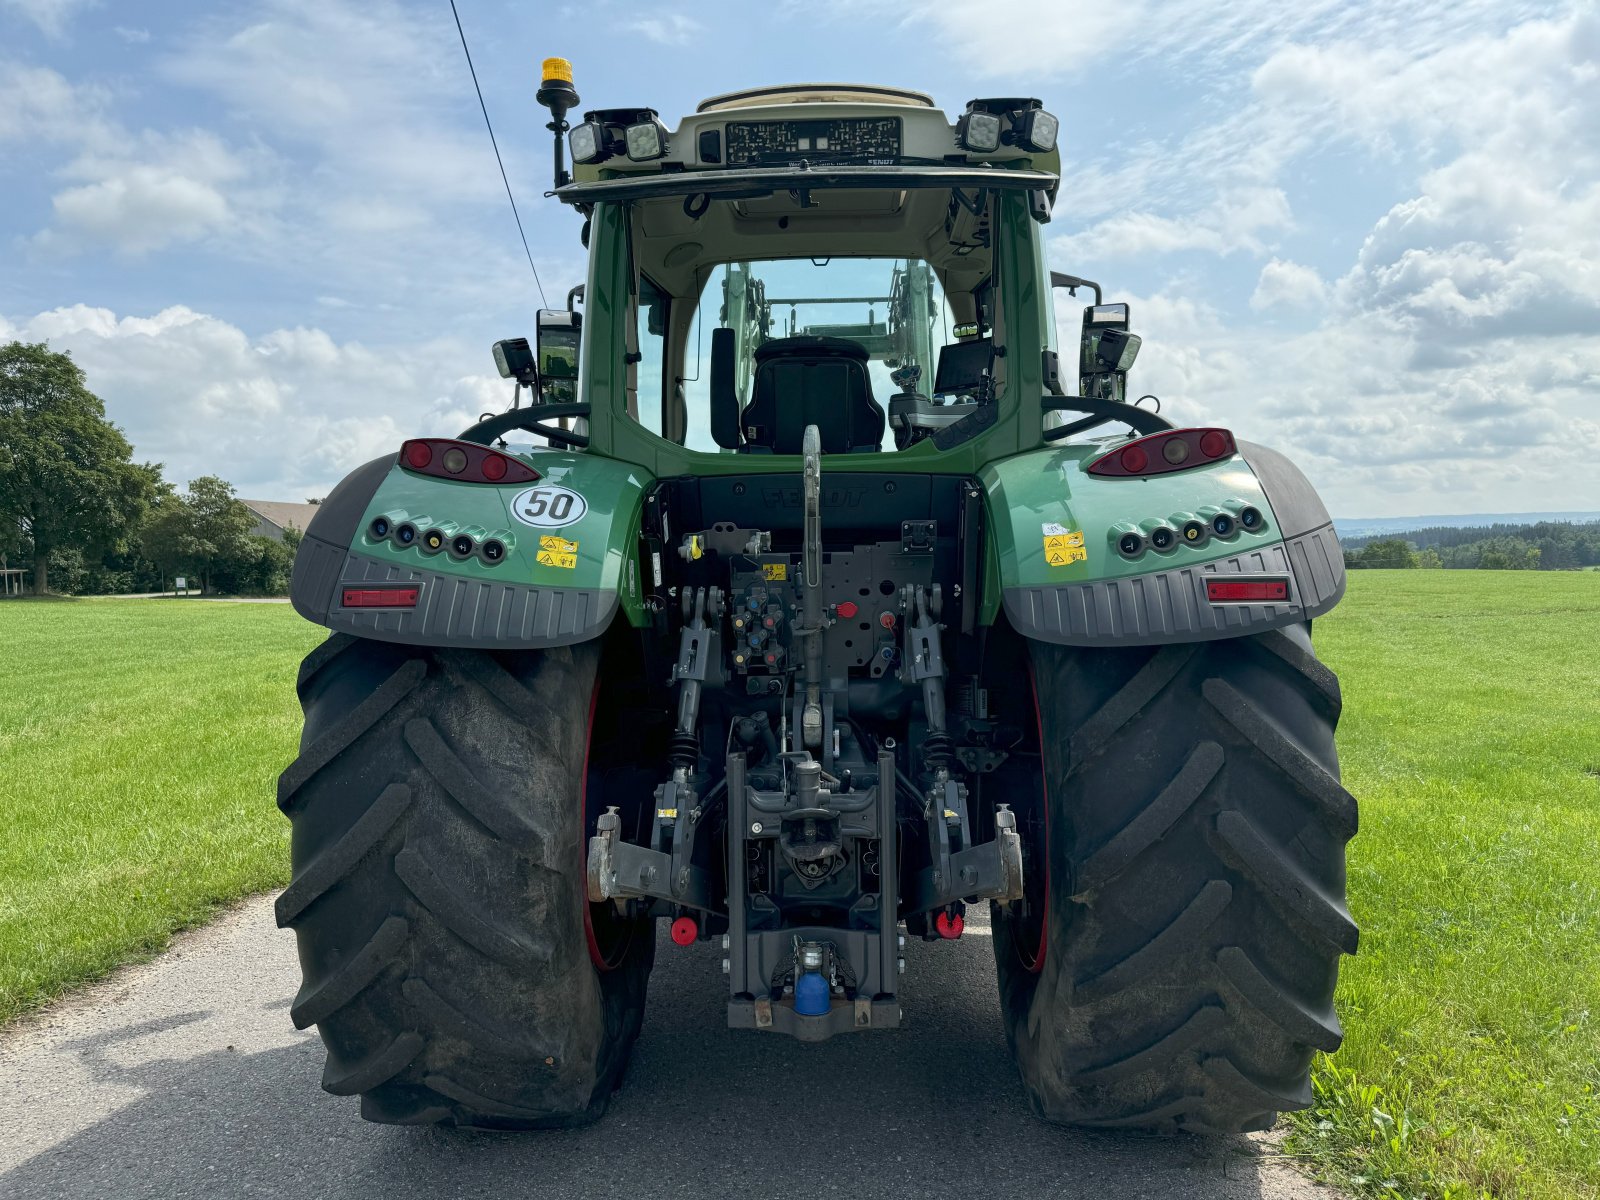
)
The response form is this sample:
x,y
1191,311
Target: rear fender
x,y
570,558
1062,578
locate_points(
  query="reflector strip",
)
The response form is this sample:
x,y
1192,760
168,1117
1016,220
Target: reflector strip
x,y
380,597
1247,591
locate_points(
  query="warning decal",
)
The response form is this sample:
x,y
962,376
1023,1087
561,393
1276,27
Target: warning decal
x,y
557,552
1063,548
777,571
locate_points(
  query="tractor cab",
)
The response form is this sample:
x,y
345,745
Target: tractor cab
x,y
843,256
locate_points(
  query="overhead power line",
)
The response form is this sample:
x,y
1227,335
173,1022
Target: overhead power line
x,y
521,233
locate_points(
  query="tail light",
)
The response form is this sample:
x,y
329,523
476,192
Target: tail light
x,y
468,462
1159,453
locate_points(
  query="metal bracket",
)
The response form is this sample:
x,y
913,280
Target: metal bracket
x,y
990,870
619,870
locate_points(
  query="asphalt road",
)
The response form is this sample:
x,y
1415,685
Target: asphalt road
x,y
184,1078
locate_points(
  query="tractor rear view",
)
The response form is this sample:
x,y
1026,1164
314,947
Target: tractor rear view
x,y
803,598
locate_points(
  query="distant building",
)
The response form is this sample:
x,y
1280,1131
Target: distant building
x,y
274,516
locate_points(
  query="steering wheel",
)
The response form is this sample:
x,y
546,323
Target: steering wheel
x,y
533,420
1100,411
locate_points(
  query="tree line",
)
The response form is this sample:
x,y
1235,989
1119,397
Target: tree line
x,y
1539,546
84,518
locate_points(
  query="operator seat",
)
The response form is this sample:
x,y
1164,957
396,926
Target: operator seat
x,y
819,381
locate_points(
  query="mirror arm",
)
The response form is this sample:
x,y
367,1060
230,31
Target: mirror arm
x,y
1142,420
1059,279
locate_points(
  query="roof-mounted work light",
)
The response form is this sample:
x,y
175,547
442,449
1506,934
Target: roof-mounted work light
x,y
999,121
978,132
646,139
588,142
1036,130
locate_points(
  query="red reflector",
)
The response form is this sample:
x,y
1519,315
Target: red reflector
x,y
380,597
418,454
949,927
1249,591
684,931
846,609
1214,443
1134,460
494,467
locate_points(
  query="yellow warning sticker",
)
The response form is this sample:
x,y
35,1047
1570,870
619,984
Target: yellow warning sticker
x,y
557,545
552,558
778,571
667,814
1061,549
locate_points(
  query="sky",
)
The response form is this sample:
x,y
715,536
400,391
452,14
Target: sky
x,y
274,235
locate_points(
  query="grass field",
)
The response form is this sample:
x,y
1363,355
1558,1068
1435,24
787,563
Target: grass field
x,y
1471,736
139,741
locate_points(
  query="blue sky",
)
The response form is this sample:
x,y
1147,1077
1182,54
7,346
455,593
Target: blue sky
x,y
273,231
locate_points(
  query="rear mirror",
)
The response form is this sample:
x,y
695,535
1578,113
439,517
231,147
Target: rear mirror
x,y
1108,351
558,339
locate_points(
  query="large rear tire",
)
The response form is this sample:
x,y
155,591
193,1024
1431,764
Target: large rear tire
x,y
438,810
1176,968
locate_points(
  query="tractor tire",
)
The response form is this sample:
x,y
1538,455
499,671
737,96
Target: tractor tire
x,y
438,847
1176,967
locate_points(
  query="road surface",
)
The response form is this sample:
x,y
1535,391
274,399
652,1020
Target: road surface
x,y
183,1078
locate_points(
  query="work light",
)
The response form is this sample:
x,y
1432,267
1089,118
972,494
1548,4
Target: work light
x,y
979,132
646,140
587,142
1037,130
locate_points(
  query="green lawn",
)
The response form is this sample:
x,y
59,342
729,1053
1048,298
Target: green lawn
x,y
1471,736
139,741
139,744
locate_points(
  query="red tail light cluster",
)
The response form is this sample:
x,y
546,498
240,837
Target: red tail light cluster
x,y
465,461
1173,450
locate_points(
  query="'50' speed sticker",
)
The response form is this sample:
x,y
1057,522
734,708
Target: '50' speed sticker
x,y
548,507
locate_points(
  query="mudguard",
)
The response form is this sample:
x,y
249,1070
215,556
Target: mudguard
x,y
1054,551
570,554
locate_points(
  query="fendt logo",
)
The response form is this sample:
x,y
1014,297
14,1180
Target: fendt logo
x,y
849,496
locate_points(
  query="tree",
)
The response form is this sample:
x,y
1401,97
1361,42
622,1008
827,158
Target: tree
x,y
67,479
1391,552
206,531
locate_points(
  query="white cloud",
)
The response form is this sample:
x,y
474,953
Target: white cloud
x,y
134,37
144,193
142,209
36,102
1231,223
669,29
1050,39
51,16
283,415
1286,284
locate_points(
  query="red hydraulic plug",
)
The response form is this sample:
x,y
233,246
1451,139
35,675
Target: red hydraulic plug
x,y
949,925
684,931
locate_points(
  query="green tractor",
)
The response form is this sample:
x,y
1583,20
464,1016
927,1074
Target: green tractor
x,y
802,600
